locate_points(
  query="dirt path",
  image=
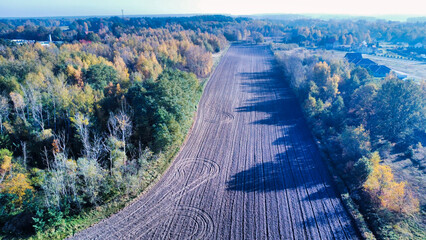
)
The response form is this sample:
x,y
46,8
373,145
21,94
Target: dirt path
x,y
249,170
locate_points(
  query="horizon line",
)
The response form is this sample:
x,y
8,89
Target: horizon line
x,y
377,16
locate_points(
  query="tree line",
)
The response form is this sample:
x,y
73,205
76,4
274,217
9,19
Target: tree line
x,y
303,31
360,120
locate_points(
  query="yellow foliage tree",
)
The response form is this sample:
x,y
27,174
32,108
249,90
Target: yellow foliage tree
x,y
391,195
121,67
17,184
321,73
149,67
76,74
380,178
68,47
333,85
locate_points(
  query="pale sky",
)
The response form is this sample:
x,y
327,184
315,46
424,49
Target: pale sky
x,y
42,8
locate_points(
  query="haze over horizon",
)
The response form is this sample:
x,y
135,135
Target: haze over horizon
x,y
50,8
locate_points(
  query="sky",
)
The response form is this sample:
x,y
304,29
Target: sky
x,y
46,8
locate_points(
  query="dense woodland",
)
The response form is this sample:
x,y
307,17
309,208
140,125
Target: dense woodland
x,y
98,117
359,120
302,31
86,122
349,31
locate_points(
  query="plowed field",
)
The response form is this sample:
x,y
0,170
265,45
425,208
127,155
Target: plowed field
x,y
249,169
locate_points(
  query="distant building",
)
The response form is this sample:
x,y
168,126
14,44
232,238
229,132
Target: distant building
x,y
375,69
380,51
46,43
366,49
49,42
402,45
381,70
351,57
365,63
22,41
418,45
42,43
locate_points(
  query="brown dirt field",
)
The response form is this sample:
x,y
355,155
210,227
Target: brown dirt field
x,y
249,169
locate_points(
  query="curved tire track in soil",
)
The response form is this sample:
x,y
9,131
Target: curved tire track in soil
x,y
249,169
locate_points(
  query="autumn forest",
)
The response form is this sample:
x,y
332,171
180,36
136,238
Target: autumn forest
x,y
94,118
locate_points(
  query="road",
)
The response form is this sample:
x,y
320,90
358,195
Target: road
x,y
249,169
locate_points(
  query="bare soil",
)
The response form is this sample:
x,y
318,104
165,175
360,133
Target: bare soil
x,y
249,169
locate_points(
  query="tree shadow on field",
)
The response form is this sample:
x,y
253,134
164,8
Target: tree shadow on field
x,y
263,177
294,167
278,175
271,96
